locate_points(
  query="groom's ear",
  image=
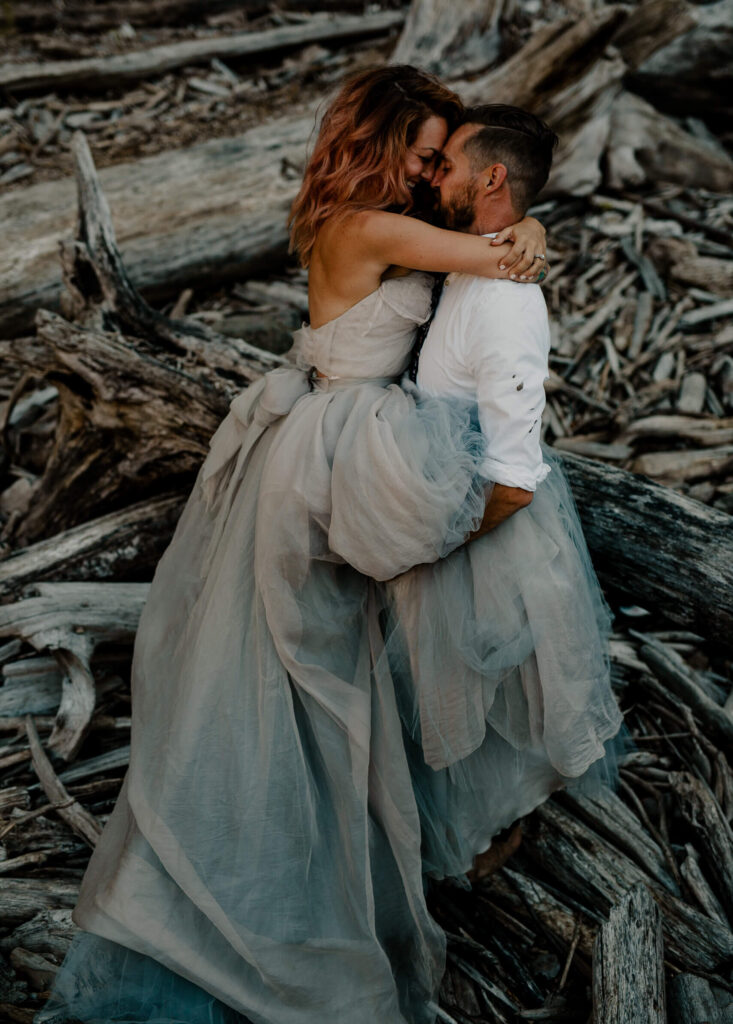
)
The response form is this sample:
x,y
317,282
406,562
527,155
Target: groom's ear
x,y
493,178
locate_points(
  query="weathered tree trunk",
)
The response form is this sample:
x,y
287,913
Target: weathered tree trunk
x,y
693,72
530,77
554,916
659,548
651,26
210,213
85,16
582,103
644,145
628,963
97,73
121,546
70,620
692,1002
129,425
21,898
125,413
594,870
612,819
113,304
440,35
69,810
677,675
712,832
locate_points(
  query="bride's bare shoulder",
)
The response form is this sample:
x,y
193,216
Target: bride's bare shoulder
x,y
356,224
350,235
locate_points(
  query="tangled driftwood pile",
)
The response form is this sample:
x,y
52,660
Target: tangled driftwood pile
x,y
621,908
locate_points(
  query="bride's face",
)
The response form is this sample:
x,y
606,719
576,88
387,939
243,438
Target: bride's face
x,y
423,155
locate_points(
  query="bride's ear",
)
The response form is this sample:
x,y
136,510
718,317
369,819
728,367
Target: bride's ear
x,y
494,177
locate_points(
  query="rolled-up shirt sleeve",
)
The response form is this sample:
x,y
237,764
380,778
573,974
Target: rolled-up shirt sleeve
x,y
508,351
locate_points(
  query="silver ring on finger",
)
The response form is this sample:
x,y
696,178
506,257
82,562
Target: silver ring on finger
x,y
539,256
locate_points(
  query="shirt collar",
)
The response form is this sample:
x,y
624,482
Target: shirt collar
x,y
454,273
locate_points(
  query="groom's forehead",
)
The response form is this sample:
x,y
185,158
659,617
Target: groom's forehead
x,y
455,143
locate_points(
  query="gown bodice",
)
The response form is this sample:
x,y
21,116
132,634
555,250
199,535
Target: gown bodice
x,y
371,339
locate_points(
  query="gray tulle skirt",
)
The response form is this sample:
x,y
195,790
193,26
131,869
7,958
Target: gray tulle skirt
x,y
334,698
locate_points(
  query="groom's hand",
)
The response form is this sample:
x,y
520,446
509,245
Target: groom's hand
x,y
504,502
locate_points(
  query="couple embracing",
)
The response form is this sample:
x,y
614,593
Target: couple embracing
x,y
376,638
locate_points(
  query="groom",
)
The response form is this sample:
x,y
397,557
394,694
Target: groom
x,y
489,340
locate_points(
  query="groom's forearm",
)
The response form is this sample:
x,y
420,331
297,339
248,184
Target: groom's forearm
x,y
504,502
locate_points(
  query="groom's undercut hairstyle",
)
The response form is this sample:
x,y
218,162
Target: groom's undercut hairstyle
x,y
519,140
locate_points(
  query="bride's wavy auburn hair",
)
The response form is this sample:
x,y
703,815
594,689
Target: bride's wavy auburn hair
x,y
358,161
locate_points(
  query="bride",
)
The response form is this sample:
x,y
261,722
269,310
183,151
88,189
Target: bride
x,y
265,861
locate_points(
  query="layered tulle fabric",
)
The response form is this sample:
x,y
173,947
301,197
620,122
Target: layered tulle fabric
x,y
103,982
298,760
499,654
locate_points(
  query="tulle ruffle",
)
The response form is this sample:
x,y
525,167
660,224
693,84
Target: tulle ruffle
x,y
102,982
294,771
499,653
510,632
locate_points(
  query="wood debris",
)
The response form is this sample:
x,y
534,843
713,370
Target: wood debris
x,y
640,404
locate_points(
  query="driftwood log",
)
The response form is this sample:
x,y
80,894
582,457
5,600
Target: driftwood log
x,y
22,898
440,36
612,819
91,17
87,16
76,816
647,146
682,680
712,832
97,74
692,1002
657,546
70,620
599,876
628,963
521,941
692,74
589,108
120,546
216,212
232,195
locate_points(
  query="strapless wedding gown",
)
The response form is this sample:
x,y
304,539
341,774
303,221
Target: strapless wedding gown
x,y
312,736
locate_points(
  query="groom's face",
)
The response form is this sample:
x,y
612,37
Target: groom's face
x,y
457,182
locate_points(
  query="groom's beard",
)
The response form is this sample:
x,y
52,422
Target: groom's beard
x,y
458,212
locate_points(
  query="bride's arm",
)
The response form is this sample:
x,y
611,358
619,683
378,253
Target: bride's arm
x,y
392,239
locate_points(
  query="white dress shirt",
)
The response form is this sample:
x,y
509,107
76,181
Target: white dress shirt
x,y
490,341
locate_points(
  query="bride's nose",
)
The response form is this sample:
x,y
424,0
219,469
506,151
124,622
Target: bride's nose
x,y
430,173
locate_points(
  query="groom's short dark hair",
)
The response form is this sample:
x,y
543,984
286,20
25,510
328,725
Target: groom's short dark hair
x,y
521,141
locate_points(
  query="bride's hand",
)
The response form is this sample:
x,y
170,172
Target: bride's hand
x,y
526,259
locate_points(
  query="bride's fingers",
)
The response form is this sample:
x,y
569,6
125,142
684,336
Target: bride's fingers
x,y
505,235
532,270
540,276
514,259
525,266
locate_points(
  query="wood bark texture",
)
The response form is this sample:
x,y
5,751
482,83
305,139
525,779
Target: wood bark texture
x,y
97,74
628,968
